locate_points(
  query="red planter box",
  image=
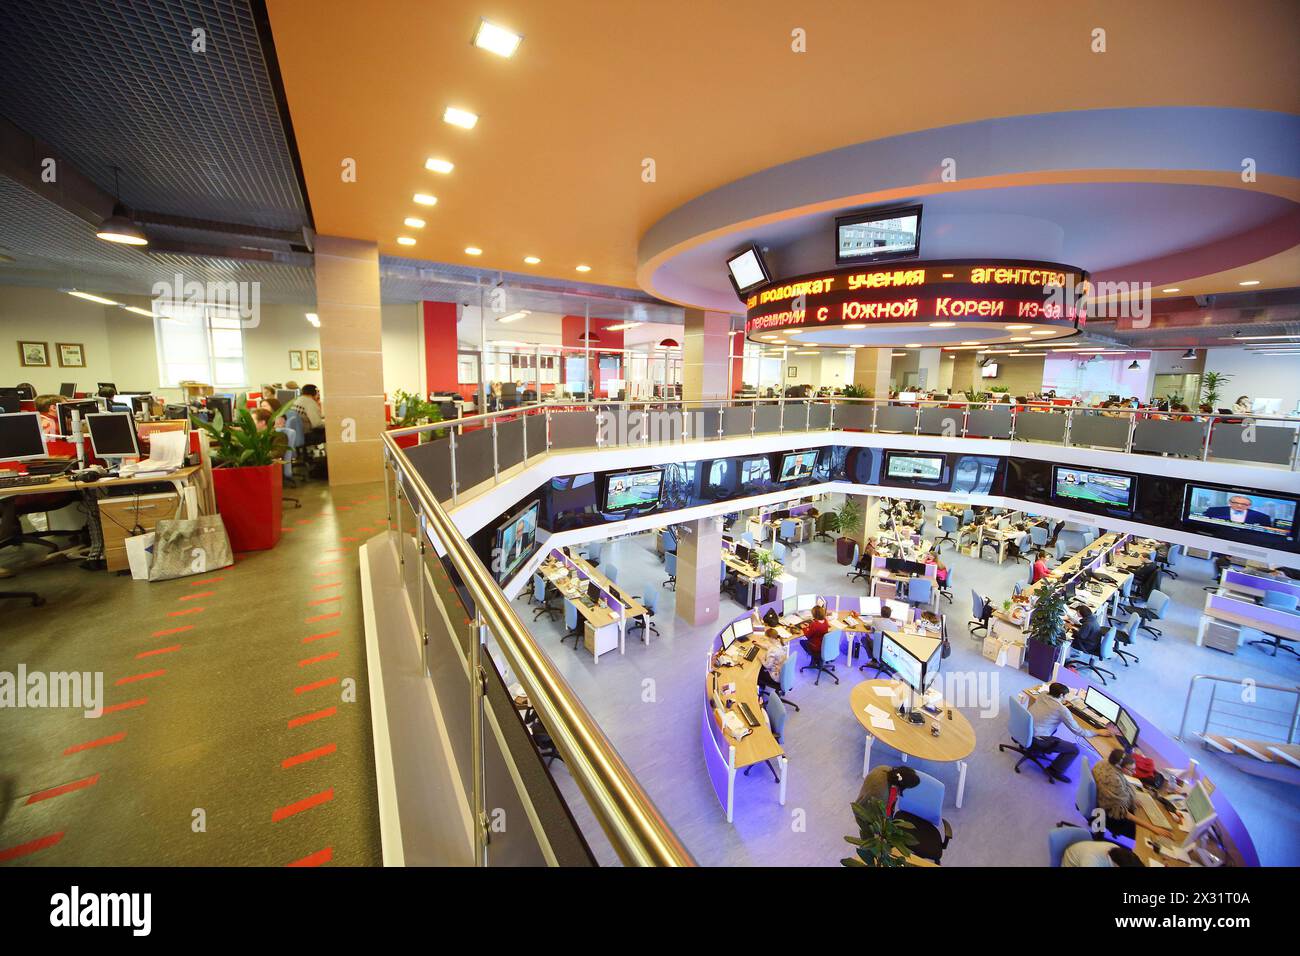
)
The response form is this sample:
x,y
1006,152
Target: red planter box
x,y
250,502
407,441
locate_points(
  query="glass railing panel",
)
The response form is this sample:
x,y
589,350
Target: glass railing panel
x,y
573,430
854,417
1261,442
535,433
767,418
1033,425
737,420
937,420
473,459
993,422
896,418
1100,430
1166,437
819,416
510,442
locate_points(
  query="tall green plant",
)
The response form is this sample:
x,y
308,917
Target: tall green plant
x,y
240,444
410,409
1047,620
1211,382
848,517
882,841
974,395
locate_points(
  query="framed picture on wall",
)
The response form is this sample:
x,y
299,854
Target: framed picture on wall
x,y
313,360
295,360
792,371
34,353
71,354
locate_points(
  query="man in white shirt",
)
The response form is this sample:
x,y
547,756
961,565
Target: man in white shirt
x,y
307,405
1049,713
1099,853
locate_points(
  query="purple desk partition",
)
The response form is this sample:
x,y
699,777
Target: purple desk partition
x,y
1244,579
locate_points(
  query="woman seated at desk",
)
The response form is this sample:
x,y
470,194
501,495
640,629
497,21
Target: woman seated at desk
x,y
1115,795
815,632
769,675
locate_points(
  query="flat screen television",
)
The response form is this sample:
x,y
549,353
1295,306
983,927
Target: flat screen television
x,y
747,270
915,467
633,490
989,370
912,670
515,541
1091,489
752,470
878,235
1251,514
796,465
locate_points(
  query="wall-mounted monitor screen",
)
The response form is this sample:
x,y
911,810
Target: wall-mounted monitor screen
x,y
797,464
752,470
633,490
747,270
989,370
878,235
1091,488
1268,515
515,540
915,467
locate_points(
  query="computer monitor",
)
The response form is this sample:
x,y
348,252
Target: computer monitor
x,y
68,389
87,406
21,438
112,435
1201,809
176,411
11,401
140,404
728,637
1100,704
106,390
593,592
744,627
869,606
742,552
806,602
913,668
283,396
899,610
789,605
224,405
1128,729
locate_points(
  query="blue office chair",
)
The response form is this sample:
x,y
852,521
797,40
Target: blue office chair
x,y
1250,635
1124,639
779,551
826,664
949,526
646,621
1085,794
572,624
670,565
1165,555
787,680
1038,536
980,612
1020,724
1061,839
539,598
787,532
1280,602
922,806
747,538
1060,550
1156,604
669,543
920,591
776,721
1090,662
967,516
611,572
296,434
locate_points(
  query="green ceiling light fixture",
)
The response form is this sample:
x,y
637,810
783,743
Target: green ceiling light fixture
x,y
118,227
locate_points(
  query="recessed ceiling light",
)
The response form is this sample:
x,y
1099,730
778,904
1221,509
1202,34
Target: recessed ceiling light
x,y
1019,338
854,327
138,311
405,241
1249,282
314,319
972,342
947,275
473,251
805,352
513,317
439,166
1173,289
496,39
424,199
942,325
413,222
912,345
857,346
532,260
458,117
91,298
622,326
1043,332
897,353
583,268
1015,327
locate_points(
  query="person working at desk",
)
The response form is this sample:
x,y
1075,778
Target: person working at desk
x,y
1049,713
769,675
1040,569
886,784
1099,853
1087,639
1115,795
49,414
307,405
815,632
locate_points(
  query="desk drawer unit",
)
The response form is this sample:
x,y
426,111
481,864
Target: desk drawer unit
x,y
120,516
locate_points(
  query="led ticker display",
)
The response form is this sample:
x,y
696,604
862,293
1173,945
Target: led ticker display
x,y
983,291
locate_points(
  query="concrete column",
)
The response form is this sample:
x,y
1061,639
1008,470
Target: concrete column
x,y
699,570
352,364
706,349
871,370
927,373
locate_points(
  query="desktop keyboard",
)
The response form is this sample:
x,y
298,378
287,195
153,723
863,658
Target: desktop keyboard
x,y
24,481
1153,811
752,653
748,714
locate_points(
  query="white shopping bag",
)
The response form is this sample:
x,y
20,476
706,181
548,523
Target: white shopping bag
x,y
139,555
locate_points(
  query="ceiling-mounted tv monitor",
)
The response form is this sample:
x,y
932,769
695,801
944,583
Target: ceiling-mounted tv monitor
x,y
515,541
878,235
747,270
924,468
1240,513
1091,489
989,370
796,465
633,490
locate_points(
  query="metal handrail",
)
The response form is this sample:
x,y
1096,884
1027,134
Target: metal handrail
x,y
1237,681
638,832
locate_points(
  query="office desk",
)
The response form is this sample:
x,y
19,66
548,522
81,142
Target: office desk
x,y
604,630
956,738
1243,613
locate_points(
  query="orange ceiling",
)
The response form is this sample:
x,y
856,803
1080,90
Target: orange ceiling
x,y
710,90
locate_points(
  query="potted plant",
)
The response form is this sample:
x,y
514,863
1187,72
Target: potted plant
x,y
771,569
410,410
1211,382
855,391
1045,633
847,519
882,841
247,478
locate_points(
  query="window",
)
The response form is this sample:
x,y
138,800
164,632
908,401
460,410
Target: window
x,y
200,343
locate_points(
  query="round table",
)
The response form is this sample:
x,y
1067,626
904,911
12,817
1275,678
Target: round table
x,y
956,738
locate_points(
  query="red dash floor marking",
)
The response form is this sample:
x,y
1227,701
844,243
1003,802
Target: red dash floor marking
x,y
139,702
316,685
135,677
65,788
326,600
172,630
196,595
308,718
322,617
188,610
161,650
316,660
101,742
22,849
329,584
315,859
281,813
318,637
219,577
325,751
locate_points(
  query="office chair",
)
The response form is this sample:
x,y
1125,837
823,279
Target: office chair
x,y
1020,724
922,806
546,748
1250,635
823,520
1154,611
1060,550
1165,555
646,621
572,623
539,598
1038,536
920,591
855,572
825,663
948,525
871,662
1085,794
776,716
1092,662
1280,602
1016,549
15,506
747,538
786,680
670,565
779,551
788,531
1125,638
968,516
1061,839
667,543
980,610
296,433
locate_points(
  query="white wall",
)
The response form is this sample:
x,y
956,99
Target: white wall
x,y
49,316
1259,376
403,353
